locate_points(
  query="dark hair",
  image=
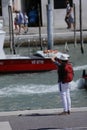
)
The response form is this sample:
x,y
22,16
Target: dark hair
x,y
64,61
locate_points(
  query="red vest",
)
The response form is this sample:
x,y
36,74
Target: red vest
x,y
65,73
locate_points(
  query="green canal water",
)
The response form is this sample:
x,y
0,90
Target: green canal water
x,y
40,90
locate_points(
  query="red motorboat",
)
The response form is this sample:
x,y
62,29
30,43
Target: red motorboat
x,y
19,64
39,62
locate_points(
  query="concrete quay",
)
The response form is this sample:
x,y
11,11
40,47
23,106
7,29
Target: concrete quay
x,y
44,119
60,36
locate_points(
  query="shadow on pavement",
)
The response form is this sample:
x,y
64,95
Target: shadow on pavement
x,y
36,114
45,129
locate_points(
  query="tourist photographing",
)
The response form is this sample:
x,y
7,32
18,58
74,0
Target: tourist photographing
x,y
65,76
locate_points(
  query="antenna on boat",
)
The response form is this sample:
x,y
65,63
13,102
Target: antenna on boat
x,y
66,47
29,47
11,31
44,43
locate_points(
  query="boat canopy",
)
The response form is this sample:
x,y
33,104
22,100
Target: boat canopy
x,y
50,53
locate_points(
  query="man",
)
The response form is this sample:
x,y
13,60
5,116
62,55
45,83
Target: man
x,y
65,76
25,22
21,21
69,18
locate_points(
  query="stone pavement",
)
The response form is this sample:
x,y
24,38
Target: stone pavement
x,y
60,35
44,119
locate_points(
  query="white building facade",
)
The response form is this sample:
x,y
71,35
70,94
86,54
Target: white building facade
x,y
58,13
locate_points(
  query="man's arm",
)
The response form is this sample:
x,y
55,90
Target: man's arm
x,y
55,60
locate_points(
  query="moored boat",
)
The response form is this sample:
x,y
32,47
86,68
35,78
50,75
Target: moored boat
x,y
14,63
39,62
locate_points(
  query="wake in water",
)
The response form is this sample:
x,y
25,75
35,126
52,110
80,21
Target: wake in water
x,y
80,67
14,89
36,89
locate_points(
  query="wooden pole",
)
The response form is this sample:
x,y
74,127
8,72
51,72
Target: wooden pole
x,y
50,24
81,37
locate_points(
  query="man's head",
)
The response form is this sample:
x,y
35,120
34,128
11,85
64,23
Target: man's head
x,y
67,1
63,58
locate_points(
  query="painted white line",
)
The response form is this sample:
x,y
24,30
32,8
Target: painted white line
x,y
5,126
